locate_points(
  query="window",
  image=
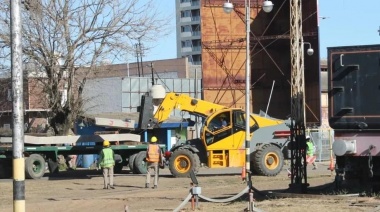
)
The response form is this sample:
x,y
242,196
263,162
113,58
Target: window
x,y
186,43
186,28
7,126
9,96
185,13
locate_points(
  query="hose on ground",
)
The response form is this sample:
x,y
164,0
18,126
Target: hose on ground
x,y
245,190
185,201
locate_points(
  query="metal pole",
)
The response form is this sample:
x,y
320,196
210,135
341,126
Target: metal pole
x,y
247,90
18,109
137,57
270,97
141,55
151,66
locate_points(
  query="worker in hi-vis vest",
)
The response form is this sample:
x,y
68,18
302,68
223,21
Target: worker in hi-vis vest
x,y
107,162
153,158
310,157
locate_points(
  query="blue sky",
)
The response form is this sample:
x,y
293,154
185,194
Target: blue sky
x,y
347,22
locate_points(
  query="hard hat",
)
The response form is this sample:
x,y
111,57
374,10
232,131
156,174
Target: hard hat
x,y
307,137
106,143
153,139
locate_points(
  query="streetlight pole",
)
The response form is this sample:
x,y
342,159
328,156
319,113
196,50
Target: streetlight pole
x,y
267,7
228,7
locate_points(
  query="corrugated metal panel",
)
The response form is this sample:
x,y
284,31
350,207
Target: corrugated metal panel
x,y
102,95
107,95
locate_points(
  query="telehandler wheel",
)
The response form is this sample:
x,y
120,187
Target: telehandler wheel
x,y
139,163
268,160
34,166
182,161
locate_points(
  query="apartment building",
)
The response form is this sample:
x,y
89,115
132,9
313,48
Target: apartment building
x,y
189,31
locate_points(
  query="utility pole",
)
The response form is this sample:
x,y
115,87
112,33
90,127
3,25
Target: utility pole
x,y
141,55
18,109
298,138
137,58
151,66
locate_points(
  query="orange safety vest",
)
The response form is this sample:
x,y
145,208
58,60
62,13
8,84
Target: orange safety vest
x,y
153,153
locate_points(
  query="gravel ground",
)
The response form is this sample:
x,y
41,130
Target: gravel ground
x,y
81,190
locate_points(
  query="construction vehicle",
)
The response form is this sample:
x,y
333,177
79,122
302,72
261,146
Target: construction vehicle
x,y
218,146
354,102
41,152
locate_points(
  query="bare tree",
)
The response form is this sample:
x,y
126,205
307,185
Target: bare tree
x,y
66,40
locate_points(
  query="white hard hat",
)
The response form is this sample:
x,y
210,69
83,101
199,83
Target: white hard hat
x,y
307,137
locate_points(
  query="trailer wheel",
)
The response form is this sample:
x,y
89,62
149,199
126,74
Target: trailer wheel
x,y
118,164
268,160
34,166
182,161
131,164
139,163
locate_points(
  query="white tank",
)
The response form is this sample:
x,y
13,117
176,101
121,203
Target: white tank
x,y
157,92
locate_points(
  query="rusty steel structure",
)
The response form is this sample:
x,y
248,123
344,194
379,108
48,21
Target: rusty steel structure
x,y
224,56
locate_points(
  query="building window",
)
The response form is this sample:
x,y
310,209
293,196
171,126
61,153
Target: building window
x,y
186,43
185,13
184,1
186,28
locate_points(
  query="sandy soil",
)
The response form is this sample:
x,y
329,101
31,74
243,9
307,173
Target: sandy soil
x,y
82,190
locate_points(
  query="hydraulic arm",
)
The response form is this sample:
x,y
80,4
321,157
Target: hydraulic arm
x,y
186,103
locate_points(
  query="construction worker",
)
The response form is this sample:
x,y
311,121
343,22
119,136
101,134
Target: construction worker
x,y
107,162
310,158
153,158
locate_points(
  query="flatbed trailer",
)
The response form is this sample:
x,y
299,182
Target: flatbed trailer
x,y
38,156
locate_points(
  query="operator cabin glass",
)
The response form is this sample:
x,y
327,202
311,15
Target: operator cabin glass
x,y
235,124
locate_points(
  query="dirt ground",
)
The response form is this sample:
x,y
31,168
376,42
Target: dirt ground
x,y
82,190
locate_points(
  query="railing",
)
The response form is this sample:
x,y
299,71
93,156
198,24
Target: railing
x,y
195,18
196,33
323,139
195,3
196,48
186,49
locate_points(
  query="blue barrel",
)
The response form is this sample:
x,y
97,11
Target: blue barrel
x,y
88,160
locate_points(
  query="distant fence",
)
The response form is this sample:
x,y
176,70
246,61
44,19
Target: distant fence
x,y
323,139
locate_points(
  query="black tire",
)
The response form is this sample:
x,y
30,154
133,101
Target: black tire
x,y
131,161
268,160
53,166
139,163
34,166
182,161
118,164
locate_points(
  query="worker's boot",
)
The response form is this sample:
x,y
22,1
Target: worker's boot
x,y
146,185
154,187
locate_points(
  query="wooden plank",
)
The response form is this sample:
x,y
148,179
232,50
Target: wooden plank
x,y
74,139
